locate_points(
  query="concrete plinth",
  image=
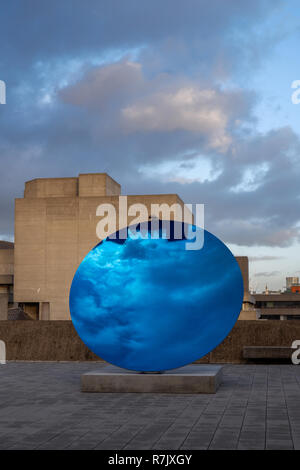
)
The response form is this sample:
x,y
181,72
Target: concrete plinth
x,y
194,378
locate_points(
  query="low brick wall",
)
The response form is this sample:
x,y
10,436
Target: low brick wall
x,y
58,340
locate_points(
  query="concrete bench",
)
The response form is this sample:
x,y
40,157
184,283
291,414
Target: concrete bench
x,y
267,352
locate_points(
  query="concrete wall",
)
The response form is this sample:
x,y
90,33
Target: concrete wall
x,y
55,228
97,185
6,262
51,187
6,279
281,305
86,185
58,341
4,297
248,310
244,267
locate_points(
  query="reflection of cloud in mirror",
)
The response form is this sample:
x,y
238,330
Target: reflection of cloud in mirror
x,y
146,304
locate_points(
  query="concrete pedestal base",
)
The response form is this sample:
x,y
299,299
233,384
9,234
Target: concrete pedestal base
x,y
194,378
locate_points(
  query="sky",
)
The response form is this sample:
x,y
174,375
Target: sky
x,y
156,306
192,98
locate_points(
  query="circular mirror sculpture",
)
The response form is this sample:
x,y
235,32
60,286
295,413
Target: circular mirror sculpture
x,y
151,304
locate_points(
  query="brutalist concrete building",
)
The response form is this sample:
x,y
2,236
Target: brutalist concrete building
x,y
55,227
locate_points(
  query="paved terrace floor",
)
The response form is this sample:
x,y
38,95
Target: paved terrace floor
x,y
41,407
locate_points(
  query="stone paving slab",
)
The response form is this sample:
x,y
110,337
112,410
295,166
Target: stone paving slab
x,y
41,407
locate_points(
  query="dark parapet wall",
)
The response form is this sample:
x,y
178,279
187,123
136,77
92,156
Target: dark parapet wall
x,y
58,340
43,341
255,333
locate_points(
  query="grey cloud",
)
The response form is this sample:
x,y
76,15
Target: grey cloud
x,y
179,45
123,96
265,216
106,86
32,30
267,274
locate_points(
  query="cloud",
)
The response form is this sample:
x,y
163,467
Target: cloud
x,y
123,94
267,274
158,311
145,91
180,31
256,232
106,86
264,258
187,108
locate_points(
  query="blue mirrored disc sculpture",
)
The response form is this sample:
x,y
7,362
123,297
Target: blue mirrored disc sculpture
x,y
151,304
